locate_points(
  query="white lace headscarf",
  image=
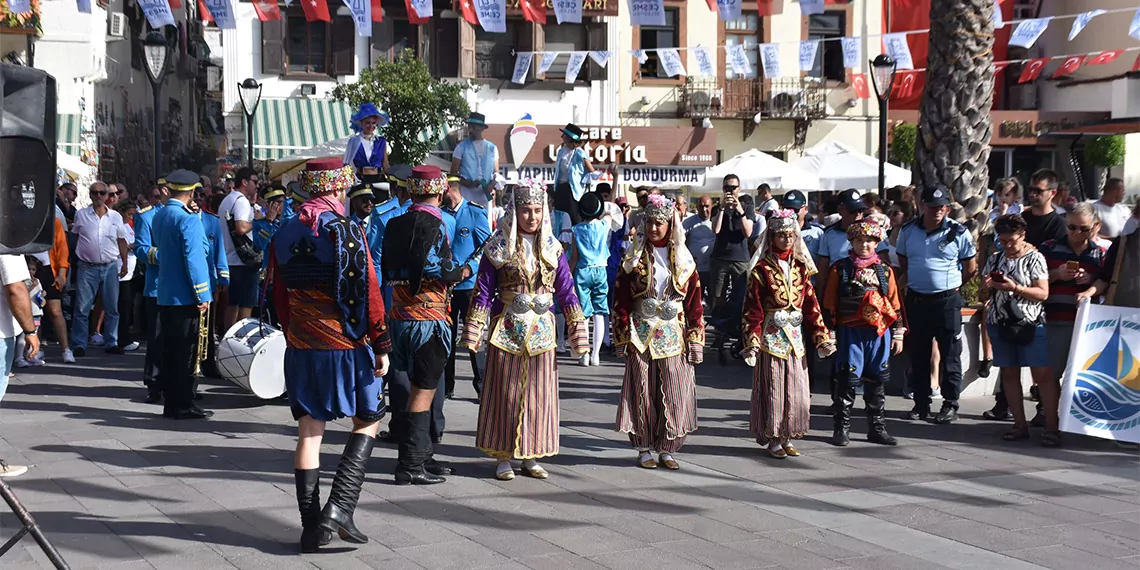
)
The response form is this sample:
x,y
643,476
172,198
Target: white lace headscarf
x,y
661,208
504,242
784,221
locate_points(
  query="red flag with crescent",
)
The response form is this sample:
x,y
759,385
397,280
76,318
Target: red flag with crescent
x,y
316,10
1071,64
266,10
467,8
712,5
999,66
903,87
413,17
203,12
1104,57
175,5
764,7
1033,69
534,11
377,11
859,85
1136,66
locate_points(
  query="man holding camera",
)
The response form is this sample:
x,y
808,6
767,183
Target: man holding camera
x,y
729,259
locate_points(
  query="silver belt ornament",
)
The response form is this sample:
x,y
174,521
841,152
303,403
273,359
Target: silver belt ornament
x,y
659,309
783,318
526,303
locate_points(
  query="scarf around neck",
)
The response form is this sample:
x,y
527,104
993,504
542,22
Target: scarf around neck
x,y
864,262
311,211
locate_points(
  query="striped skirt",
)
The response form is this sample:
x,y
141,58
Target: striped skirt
x,y
781,398
518,411
658,405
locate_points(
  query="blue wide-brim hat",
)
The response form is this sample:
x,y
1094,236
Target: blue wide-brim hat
x,y
369,110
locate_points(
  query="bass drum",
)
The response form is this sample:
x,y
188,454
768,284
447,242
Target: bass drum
x,y
252,355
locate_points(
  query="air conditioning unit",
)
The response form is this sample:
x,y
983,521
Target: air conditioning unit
x,y
704,102
785,102
117,26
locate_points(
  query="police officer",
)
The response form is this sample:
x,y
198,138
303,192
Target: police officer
x,y
147,254
399,203
183,293
297,198
472,228
937,255
811,232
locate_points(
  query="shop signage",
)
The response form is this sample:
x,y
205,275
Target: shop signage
x,y
589,7
618,146
543,172
662,176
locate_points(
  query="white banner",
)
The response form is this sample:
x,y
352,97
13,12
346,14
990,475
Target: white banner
x,y
1134,27
647,12
222,12
600,57
1100,393
809,7
704,58
84,6
729,9
641,55
492,15
852,53
577,58
19,6
361,16
1081,21
522,66
770,58
996,18
662,176
896,47
739,60
157,12
671,62
1027,32
808,50
568,11
423,8
547,60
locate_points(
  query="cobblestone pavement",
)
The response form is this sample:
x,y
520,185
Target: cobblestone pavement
x,y
116,486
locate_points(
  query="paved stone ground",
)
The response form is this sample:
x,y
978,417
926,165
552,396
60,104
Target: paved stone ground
x,y
116,486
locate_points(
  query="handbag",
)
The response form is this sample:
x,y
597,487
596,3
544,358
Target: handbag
x,y
243,244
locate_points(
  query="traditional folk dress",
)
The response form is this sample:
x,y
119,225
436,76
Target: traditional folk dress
x,y
779,298
658,323
366,151
519,278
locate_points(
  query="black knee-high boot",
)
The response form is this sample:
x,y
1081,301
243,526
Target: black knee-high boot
x,y
309,503
415,451
875,398
345,491
842,400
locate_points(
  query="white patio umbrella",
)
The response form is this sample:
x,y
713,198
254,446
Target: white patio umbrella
x,y
754,168
840,167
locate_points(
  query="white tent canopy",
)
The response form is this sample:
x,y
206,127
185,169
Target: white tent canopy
x,y
291,165
756,167
840,167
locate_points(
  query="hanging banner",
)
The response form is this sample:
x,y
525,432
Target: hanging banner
x,y
859,86
268,11
1100,393
647,12
1081,21
84,6
895,45
1033,69
809,7
492,15
730,9
600,57
21,6
739,60
1104,57
671,62
1068,66
641,55
705,67
157,12
568,11
1134,27
1027,32
223,13
361,11
770,58
996,18
522,66
423,8
574,66
547,60
808,51
852,53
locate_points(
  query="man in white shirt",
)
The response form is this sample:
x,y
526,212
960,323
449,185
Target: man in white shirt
x,y
700,237
765,203
476,162
15,318
101,249
1111,209
242,295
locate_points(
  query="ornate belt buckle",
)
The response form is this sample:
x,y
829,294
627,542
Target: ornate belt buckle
x,y
795,318
541,303
781,318
668,310
522,303
648,308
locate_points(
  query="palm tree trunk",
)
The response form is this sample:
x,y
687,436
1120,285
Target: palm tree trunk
x,y
954,127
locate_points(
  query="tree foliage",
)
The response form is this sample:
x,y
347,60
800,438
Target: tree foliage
x,y
415,102
1105,151
903,138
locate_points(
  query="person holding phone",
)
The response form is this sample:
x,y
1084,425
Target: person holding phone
x,y
732,225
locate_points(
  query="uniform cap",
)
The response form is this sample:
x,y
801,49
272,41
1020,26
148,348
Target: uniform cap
x,y
935,196
181,181
852,199
793,200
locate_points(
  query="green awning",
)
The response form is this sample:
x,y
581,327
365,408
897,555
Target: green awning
x,y
68,132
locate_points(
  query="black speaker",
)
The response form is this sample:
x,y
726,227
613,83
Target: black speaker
x,y
27,159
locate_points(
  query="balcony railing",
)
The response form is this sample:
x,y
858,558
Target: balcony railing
x,y
783,98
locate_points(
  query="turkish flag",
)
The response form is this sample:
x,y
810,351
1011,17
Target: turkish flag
x,y
766,7
859,85
175,5
534,11
316,10
1104,57
266,10
203,12
1071,64
1033,69
712,4
413,17
377,11
999,66
467,8
1136,66
903,87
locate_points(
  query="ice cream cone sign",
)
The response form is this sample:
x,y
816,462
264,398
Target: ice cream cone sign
x,y
523,134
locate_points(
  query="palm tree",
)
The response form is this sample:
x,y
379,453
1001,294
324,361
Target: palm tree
x,y
954,127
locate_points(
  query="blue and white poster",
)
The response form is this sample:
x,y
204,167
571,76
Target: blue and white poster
x,y
1100,393
809,7
361,11
1134,27
522,66
647,12
157,12
574,66
19,6
84,6
1083,20
729,9
705,67
547,61
770,59
738,60
423,9
671,62
492,15
568,11
1027,32
895,45
222,12
852,52
996,18
600,57
808,51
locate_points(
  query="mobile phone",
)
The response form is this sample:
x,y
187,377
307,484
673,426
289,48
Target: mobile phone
x,y
997,276
1073,265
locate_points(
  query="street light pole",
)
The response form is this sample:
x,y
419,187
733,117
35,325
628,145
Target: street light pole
x,y
249,91
156,53
883,69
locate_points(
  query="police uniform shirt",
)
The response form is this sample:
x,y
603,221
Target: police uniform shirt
x,y
833,244
472,228
811,233
934,258
182,252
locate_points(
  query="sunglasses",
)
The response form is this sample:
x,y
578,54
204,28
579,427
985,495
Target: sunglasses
x,y
1032,190
730,188
1081,229
98,193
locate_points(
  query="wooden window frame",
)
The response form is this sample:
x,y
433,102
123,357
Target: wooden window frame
x,y
682,41
340,47
722,39
533,38
315,75
849,31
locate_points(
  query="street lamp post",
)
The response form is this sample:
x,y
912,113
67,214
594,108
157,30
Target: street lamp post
x,y
250,93
883,69
156,53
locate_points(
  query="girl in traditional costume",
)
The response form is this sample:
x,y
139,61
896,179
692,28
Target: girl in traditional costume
x,y
367,151
658,324
521,273
780,298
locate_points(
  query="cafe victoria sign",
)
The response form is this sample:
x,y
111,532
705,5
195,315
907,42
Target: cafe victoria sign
x,y
618,146
589,7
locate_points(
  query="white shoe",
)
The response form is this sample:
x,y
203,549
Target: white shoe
x,y
68,356
131,347
595,360
584,360
11,470
39,355
22,362
95,340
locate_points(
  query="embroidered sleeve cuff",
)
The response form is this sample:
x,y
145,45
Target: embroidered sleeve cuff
x,y
577,335
752,341
573,313
477,318
696,334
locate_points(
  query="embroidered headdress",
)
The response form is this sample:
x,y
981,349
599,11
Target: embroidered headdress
x,y
504,243
784,222
427,180
326,176
659,208
529,191
866,228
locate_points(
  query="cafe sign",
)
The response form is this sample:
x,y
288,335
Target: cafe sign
x,y
618,146
589,7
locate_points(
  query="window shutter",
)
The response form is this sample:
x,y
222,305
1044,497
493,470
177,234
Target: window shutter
x,y
466,49
596,41
531,38
273,61
343,61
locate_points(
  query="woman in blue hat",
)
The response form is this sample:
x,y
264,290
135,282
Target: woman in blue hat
x,y
573,172
367,149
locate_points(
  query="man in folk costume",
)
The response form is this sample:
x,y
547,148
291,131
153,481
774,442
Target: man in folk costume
x,y
658,324
328,300
780,298
861,301
367,151
418,266
521,274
